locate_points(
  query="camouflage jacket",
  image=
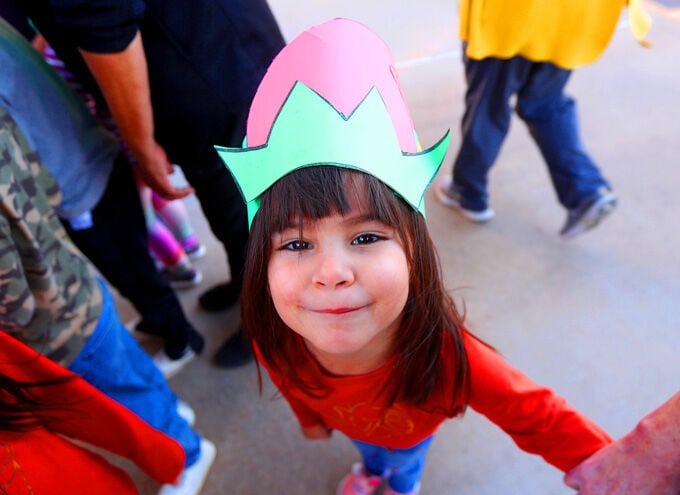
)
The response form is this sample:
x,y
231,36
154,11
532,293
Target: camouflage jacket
x,y
49,296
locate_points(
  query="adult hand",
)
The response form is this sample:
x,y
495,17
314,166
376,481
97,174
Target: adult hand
x,y
644,462
155,168
318,432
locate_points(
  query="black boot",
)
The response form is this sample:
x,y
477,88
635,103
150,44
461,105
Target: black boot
x,y
236,351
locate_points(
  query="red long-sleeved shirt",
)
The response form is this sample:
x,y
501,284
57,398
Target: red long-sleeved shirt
x,y
539,421
43,461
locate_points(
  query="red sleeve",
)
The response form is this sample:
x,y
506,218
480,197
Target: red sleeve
x,y
539,421
306,416
40,461
92,417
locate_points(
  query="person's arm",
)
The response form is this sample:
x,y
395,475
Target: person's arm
x,y
123,79
87,415
644,462
538,420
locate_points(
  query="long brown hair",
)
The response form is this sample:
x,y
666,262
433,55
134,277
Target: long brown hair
x,y
22,410
429,315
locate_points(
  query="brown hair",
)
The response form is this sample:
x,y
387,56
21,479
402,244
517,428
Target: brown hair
x,y
22,410
429,314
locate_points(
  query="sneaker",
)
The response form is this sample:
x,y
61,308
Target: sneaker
x,y
181,277
390,491
170,367
589,213
219,297
236,351
196,251
359,482
447,194
186,412
192,478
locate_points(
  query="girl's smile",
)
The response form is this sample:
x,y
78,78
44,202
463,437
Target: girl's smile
x,y
341,282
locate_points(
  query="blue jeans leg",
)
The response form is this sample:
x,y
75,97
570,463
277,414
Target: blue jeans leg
x,y
486,121
553,123
114,363
404,467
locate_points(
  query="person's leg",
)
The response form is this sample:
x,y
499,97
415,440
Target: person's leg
x,y
365,477
486,121
117,245
373,457
406,467
225,211
176,218
552,120
114,363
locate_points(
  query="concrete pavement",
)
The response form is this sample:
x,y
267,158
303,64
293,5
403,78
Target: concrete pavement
x,y
596,318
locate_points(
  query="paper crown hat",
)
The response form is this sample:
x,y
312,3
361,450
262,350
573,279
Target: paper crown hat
x,y
332,97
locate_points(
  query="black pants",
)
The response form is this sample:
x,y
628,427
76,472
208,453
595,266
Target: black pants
x,y
218,194
117,246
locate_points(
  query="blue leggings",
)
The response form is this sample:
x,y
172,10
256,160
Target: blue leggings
x,y
114,363
403,467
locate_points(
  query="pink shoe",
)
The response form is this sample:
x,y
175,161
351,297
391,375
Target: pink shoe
x,y
358,482
390,491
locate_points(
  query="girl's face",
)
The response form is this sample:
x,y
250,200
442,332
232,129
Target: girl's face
x,y
342,286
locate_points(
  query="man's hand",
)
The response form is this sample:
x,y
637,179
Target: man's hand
x,y
155,169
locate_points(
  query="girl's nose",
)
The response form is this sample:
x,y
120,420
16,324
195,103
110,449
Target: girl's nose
x,y
333,270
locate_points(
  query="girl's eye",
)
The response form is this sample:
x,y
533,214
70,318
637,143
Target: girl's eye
x,y
366,239
296,245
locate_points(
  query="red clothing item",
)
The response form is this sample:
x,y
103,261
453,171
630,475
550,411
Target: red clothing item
x,y
538,421
43,461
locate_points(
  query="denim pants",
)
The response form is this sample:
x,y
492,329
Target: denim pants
x,y
115,364
549,114
403,467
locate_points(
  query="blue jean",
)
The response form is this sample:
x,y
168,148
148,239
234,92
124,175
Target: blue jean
x,y
115,364
402,466
549,114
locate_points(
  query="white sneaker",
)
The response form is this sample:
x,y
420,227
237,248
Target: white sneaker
x,y
186,412
448,197
192,478
195,252
170,367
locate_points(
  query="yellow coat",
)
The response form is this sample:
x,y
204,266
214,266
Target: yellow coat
x,y
568,33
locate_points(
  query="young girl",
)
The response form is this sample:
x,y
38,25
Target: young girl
x,y
345,302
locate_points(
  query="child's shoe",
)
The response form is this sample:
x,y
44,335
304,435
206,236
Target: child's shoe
x,y
195,251
390,491
192,478
589,213
170,367
447,194
186,412
359,482
181,276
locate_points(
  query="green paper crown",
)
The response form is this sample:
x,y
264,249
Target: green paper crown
x,y
308,131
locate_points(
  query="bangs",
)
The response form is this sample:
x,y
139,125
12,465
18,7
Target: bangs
x,y
312,193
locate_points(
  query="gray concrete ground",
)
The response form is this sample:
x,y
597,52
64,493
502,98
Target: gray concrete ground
x,y
596,318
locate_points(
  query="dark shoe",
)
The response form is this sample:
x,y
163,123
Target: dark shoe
x,y
220,297
145,326
589,213
234,352
189,339
181,276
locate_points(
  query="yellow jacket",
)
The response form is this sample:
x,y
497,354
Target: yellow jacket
x,y
568,33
